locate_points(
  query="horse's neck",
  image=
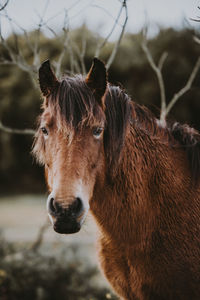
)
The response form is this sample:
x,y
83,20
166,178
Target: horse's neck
x,y
119,204
151,182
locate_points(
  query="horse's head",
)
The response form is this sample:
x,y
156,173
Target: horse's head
x,y
69,142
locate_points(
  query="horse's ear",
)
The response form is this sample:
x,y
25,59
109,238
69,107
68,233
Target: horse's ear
x,y
97,79
47,78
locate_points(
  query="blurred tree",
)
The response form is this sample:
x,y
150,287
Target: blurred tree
x,y
20,98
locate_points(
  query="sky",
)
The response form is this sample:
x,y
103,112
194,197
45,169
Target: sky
x,y
99,15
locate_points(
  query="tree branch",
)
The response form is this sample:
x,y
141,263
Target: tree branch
x,y
16,131
101,45
158,72
65,29
165,109
4,6
186,88
40,236
16,56
115,49
196,39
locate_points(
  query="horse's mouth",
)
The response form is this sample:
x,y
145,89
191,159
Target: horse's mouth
x,y
66,227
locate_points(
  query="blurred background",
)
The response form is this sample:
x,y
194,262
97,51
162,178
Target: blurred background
x,y
140,42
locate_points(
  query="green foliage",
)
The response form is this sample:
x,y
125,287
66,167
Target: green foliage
x,y
20,98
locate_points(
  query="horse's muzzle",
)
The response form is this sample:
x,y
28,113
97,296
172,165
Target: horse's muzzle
x,y
61,226
65,220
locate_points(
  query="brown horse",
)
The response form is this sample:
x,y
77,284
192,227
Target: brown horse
x,y
105,153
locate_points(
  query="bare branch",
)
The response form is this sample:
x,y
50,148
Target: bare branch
x,y
16,56
80,54
197,40
81,10
196,20
105,10
21,28
162,60
36,49
115,49
157,70
65,42
16,131
37,243
110,33
165,109
4,6
188,85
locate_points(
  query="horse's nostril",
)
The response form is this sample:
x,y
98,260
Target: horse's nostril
x,y
56,210
77,206
54,207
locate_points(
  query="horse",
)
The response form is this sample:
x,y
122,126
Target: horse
x,y
105,153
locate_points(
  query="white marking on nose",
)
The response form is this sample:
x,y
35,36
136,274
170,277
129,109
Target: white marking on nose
x,y
51,219
83,195
52,195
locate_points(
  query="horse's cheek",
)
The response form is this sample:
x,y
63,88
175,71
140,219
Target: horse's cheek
x,y
97,156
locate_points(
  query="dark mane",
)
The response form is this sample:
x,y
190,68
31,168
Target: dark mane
x,y
189,139
118,115
120,111
78,105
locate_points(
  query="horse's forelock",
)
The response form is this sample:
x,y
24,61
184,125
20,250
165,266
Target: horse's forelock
x,y
74,104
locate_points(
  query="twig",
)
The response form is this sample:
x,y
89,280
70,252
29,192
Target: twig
x,y
65,28
21,28
166,108
37,243
110,33
80,54
188,85
36,49
114,52
158,71
16,57
105,10
197,40
4,6
16,131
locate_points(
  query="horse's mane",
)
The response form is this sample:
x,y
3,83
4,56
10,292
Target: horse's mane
x,y
118,116
175,134
189,139
78,105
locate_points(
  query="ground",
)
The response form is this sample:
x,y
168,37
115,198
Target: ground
x,y
21,218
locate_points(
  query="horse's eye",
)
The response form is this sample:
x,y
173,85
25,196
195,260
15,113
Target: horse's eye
x,y
97,131
44,131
